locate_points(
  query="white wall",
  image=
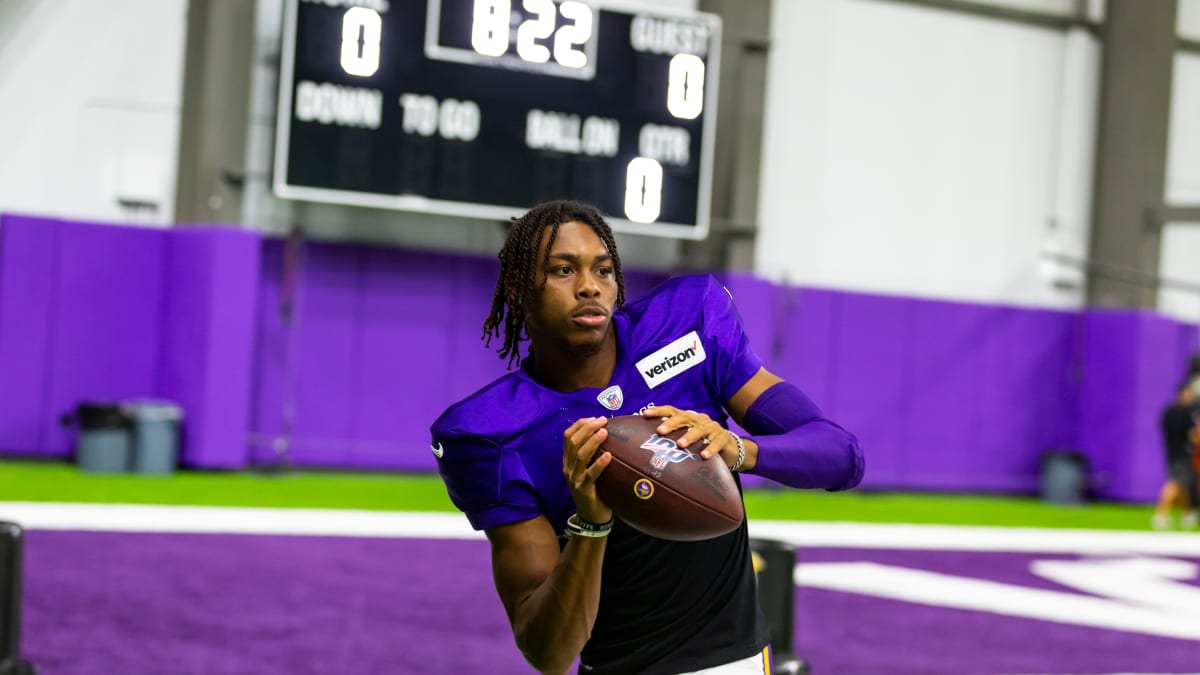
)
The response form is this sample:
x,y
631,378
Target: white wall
x,y
1092,10
1179,263
1188,19
1056,7
1180,248
920,152
1183,147
90,109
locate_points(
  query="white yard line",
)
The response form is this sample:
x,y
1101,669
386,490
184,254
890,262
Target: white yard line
x,y
977,538
236,520
349,523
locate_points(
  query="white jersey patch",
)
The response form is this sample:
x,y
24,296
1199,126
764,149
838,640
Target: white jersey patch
x,y
612,398
677,357
437,450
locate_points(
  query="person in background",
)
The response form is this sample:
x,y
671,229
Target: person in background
x,y
1179,434
1193,378
1193,374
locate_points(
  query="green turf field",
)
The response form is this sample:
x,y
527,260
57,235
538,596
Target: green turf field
x,y
61,482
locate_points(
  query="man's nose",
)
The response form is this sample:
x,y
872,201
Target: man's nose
x,y
588,285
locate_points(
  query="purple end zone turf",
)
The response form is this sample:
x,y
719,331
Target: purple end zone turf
x,y
170,603
173,603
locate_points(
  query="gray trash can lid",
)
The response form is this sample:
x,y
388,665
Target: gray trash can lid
x,y
153,411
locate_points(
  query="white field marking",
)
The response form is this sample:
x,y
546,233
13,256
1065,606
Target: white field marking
x,y
236,520
980,595
1142,582
976,538
354,523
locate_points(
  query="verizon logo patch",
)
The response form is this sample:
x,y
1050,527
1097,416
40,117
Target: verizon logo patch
x,y
675,358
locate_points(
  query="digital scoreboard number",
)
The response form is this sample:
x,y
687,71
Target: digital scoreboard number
x,y
482,108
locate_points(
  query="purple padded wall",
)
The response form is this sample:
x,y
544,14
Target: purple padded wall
x,y
382,340
104,321
869,387
944,396
945,378
371,350
110,313
986,394
1131,363
206,349
1027,395
28,266
78,320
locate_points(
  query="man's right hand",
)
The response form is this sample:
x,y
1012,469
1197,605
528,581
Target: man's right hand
x,y
581,441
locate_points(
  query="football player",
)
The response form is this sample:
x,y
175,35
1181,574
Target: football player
x,y
521,456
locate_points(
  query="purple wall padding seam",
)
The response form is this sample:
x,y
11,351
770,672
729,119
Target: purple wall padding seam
x,y
208,335
28,269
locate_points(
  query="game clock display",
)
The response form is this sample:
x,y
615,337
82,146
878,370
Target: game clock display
x,y
482,108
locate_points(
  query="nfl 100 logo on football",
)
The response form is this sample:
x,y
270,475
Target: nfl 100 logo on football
x,y
665,452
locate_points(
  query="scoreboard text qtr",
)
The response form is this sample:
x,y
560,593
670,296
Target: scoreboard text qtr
x,y
482,108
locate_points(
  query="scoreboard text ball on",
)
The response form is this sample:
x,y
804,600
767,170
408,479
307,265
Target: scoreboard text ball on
x,y
482,108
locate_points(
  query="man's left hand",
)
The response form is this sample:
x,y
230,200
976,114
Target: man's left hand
x,y
702,431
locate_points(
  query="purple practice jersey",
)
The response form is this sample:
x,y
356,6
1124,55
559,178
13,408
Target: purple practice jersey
x,y
665,607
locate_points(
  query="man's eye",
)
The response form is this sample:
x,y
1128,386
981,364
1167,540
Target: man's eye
x,y
604,271
563,269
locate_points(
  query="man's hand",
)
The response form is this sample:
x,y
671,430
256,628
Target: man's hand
x,y
581,440
702,431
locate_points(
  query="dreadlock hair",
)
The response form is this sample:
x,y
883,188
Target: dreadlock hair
x,y
518,268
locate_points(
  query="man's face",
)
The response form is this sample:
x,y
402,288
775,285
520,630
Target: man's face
x,y
575,307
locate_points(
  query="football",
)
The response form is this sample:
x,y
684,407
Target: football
x,y
663,490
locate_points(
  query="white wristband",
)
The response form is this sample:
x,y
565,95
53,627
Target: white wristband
x,y
578,527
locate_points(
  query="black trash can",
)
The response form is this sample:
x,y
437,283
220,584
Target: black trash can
x,y
775,565
105,440
1064,477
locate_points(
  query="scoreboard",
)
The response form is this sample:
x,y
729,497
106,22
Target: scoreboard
x,y
483,108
